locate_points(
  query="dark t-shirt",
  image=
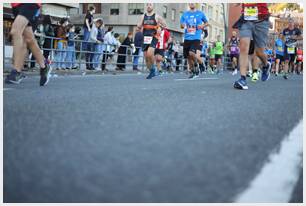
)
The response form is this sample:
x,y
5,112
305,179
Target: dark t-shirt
x,y
90,19
289,33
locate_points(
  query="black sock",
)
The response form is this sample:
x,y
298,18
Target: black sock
x,y
254,71
243,77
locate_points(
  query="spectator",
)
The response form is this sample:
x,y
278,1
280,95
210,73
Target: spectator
x,y
138,40
87,27
70,57
108,40
49,32
61,44
96,36
122,51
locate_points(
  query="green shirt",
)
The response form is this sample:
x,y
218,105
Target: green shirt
x,y
212,52
219,48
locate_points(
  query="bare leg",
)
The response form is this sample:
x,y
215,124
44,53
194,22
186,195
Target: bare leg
x,y
244,54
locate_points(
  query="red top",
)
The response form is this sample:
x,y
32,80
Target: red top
x,y
17,4
299,54
163,39
263,10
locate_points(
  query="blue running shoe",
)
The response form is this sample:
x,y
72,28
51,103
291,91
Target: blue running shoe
x,y
241,84
152,73
266,72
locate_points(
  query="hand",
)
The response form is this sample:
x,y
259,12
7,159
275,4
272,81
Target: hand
x,y
201,27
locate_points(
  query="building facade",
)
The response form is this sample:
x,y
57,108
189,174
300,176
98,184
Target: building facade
x,y
125,16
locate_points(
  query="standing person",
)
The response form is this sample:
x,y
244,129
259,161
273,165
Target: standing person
x,y
70,55
291,34
253,23
61,44
233,46
23,37
219,47
88,21
151,24
94,45
279,51
138,41
108,41
49,32
161,48
122,51
97,37
193,22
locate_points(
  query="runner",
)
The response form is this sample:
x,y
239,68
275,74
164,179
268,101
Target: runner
x,y
161,47
151,24
299,59
193,22
279,51
219,53
26,16
204,48
212,64
291,34
253,23
233,46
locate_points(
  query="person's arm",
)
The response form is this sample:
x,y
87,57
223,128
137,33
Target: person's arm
x,y
298,36
205,22
140,24
93,34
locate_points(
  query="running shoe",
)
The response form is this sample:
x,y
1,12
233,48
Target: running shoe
x,y
45,74
241,84
152,73
255,77
266,72
14,77
285,76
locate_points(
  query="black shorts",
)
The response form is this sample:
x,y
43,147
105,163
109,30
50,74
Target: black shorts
x,y
153,44
191,45
280,57
30,11
234,56
161,52
218,56
252,47
289,57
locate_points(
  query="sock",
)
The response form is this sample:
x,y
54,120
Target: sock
x,y
254,71
243,77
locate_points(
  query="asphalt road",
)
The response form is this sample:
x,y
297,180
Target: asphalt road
x,y
122,138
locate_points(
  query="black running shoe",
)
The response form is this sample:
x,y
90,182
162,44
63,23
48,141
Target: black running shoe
x,y
14,77
45,74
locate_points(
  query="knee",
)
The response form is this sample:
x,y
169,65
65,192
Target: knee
x,y
15,33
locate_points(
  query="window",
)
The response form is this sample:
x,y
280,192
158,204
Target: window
x,y
114,10
136,9
173,14
217,15
210,10
165,12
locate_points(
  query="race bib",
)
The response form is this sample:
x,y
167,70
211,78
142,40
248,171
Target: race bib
x,y
280,48
291,50
147,39
250,13
191,30
234,49
300,57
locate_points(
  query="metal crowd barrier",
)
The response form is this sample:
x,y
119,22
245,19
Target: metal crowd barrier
x,y
80,54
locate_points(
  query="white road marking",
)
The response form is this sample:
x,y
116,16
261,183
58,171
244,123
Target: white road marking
x,y
207,78
277,179
6,89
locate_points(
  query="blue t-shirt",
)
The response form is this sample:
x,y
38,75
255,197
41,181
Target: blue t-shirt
x,y
279,47
192,20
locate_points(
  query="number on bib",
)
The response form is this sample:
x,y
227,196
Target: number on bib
x,y
291,50
191,30
251,13
147,39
